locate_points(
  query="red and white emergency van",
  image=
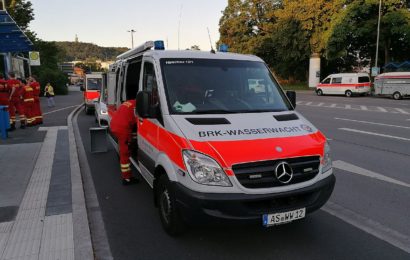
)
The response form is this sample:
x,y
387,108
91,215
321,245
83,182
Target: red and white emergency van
x,y
347,84
212,146
92,88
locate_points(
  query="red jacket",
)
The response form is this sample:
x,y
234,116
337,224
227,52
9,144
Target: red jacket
x,y
4,89
36,89
27,93
14,83
123,120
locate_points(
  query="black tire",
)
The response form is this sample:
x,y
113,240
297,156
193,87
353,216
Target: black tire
x,y
88,110
348,93
167,209
319,92
396,96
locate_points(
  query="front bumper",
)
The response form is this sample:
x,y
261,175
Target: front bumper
x,y
199,207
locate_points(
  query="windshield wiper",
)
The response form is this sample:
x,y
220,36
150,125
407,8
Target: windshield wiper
x,y
215,111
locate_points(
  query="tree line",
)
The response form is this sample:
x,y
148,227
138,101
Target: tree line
x,y
286,33
87,51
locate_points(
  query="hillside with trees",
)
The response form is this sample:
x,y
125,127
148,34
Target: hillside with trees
x,y
88,51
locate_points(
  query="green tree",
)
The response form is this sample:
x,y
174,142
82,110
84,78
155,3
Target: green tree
x,y
315,18
49,72
21,11
245,24
353,37
292,49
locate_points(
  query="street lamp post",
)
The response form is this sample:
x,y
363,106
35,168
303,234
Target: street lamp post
x,y
132,31
378,34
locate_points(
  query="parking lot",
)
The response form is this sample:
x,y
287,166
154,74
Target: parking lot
x,y
366,217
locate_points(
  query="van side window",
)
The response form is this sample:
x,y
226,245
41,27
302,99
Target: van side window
x,y
326,81
150,82
120,88
364,79
117,81
132,79
336,80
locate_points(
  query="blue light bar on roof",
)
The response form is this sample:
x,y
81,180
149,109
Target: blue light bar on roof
x,y
223,48
159,45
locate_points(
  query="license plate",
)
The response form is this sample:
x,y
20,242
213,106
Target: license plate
x,y
283,217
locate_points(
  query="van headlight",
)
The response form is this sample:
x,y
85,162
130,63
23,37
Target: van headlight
x,y
327,160
205,170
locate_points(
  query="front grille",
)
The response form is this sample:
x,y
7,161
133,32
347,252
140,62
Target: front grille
x,y
262,174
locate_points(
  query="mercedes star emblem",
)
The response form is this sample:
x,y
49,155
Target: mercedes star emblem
x,y
283,172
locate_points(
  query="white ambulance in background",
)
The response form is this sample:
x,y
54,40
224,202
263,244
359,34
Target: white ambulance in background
x,y
218,138
347,84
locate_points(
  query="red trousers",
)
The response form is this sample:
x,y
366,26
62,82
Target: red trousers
x,y
16,105
37,114
29,112
123,140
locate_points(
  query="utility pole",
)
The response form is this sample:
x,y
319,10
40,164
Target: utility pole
x,y
3,5
132,31
378,34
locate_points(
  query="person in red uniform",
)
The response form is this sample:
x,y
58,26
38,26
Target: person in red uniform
x,y
4,92
28,103
37,114
123,125
15,102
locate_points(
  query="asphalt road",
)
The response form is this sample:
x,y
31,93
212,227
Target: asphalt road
x,y
367,217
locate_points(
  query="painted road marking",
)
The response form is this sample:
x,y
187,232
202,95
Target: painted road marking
x,y
372,123
375,134
402,111
361,171
382,109
57,110
368,225
391,110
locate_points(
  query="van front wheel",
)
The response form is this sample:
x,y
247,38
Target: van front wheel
x,y
396,95
348,93
168,211
319,92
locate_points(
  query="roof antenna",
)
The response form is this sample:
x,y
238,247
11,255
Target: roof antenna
x,y
179,23
210,41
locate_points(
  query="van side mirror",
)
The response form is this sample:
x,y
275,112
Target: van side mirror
x,y
292,97
143,106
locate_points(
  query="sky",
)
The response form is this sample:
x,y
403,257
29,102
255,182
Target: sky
x,y
106,23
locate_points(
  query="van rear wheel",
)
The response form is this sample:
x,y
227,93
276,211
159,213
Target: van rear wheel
x,y
319,92
168,210
348,93
397,95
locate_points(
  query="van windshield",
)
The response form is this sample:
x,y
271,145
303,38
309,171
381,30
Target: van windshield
x,y
203,86
94,84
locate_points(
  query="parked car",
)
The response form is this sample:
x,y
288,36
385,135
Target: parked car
x,y
101,110
347,84
218,138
